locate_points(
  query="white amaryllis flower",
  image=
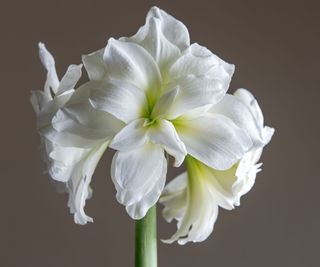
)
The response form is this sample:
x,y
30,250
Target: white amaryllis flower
x,y
160,87
193,197
70,168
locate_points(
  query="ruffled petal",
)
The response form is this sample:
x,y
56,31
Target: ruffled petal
x,y
246,173
198,60
139,177
202,79
151,37
213,139
172,29
123,100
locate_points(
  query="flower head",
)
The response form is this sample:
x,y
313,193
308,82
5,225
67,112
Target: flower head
x,y
193,198
160,88
148,96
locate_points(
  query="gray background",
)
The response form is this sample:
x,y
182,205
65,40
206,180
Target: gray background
x,y
275,47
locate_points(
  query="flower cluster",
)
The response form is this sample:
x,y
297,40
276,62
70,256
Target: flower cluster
x,y
150,96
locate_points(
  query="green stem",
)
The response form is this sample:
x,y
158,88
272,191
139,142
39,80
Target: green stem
x,y
146,240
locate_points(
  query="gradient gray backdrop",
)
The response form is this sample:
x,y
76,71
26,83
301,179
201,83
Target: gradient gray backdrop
x,y
275,47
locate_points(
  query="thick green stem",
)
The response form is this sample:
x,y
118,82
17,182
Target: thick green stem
x,y
146,240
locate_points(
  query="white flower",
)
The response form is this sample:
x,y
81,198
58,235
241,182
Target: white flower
x,y
148,95
161,88
193,197
70,168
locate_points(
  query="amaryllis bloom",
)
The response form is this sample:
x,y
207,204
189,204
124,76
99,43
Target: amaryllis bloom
x,y
193,198
157,89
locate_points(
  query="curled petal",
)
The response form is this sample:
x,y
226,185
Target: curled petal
x,y
71,170
79,184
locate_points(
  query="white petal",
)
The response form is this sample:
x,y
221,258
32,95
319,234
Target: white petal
x,y
139,177
190,201
38,100
198,60
246,172
50,108
139,209
164,104
95,65
132,136
123,100
70,79
76,119
267,134
62,160
215,140
78,185
220,183
174,198
174,30
164,133
249,100
131,63
151,37
251,120
202,79
71,170
195,92
233,108
49,63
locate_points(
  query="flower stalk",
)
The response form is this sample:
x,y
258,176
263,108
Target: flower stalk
x,y
146,240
